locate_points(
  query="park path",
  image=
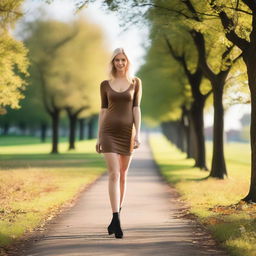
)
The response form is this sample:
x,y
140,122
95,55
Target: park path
x,y
150,220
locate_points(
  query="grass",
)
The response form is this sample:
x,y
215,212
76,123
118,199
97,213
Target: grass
x,y
34,184
216,203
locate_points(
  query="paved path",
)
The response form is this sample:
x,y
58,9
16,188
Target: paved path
x,y
149,220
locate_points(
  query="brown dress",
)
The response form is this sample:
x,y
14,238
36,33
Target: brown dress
x,y
117,130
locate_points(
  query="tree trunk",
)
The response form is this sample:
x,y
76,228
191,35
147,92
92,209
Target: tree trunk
x,y
6,129
248,48
251,196
218,169
72,130
192,149
188,141
164,129
251,66
43,132
90,128
81,129
217,81
167,130
172,132
197,115
23,128
55,115
195,80
180,135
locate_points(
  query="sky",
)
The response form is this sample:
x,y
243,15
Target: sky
x,y
232,116
132,40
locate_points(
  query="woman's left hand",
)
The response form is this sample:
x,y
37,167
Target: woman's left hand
x,y
137,141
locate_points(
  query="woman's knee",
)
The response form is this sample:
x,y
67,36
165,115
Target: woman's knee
x,y
114,176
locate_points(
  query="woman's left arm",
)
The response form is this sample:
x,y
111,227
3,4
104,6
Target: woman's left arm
x,y
137,112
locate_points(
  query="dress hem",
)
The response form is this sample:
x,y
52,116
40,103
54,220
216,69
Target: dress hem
x,y
126,154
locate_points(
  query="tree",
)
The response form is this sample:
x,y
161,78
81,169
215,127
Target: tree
x,y
158,73
82,73
243,35
217,74
31,114
13,56
195,80
69,61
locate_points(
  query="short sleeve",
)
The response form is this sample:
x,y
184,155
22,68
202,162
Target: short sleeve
x,y
137,93
103,95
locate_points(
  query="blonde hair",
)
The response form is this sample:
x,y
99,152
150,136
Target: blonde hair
x,y
112,72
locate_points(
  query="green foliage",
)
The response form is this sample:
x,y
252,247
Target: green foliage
x,y
10,11
164,83
12,59
13,56
69,62
239,13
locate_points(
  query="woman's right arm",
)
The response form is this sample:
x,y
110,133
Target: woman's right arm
x,y
101,117
103,110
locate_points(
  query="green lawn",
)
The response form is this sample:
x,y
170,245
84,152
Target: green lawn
x,y
34,184
215,202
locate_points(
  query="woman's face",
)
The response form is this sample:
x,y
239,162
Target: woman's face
x,y
120,62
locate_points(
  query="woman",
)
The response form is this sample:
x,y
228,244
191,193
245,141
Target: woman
x,y
119,129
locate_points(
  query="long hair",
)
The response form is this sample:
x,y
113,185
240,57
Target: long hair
x,y
112,72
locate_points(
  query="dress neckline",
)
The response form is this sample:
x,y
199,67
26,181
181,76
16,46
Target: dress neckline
x,y
117,91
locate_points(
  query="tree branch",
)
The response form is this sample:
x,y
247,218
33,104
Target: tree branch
x,y
251,4
174,55
178,58
239,10
229,27
200,45
70,111
164,8
237,58
191,9
227,51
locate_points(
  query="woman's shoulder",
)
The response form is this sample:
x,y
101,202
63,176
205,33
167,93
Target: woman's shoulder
x,y
137,82
104,82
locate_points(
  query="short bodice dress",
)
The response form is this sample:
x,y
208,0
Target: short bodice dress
x,y
117,129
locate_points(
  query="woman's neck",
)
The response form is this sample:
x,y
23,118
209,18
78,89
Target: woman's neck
x,y
120,75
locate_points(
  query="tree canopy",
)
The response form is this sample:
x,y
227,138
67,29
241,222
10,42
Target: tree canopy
x,y
13,56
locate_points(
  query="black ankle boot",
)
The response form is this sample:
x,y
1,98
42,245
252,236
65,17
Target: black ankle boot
x,y
115,226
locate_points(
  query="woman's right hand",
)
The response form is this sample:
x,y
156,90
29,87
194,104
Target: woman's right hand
x,y
98,147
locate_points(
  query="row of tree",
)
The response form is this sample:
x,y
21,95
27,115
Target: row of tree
x,y
197,49
67,64
210,46
14,61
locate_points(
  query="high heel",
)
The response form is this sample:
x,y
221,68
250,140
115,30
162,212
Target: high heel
x,y
115,226
110,228
118,230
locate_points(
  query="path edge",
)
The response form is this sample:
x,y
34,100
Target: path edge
x,y
26,241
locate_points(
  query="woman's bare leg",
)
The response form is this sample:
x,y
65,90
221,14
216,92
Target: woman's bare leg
x,y
124,166
113,165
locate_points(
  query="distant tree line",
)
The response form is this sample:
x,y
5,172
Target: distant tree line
x,y
67,63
